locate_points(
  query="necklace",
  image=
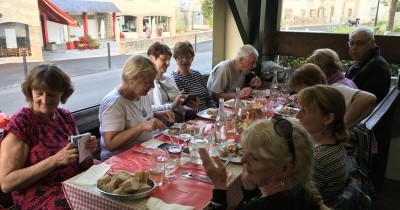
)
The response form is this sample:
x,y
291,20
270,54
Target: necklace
x,y
144,113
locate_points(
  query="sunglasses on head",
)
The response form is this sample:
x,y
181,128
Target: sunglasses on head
x,y
284,129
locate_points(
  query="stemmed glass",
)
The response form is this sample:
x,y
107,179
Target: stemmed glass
x,y
171,165
185,136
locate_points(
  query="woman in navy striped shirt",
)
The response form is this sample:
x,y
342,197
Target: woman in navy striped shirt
x,y
189,80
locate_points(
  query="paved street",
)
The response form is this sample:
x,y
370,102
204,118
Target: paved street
x,y
91,77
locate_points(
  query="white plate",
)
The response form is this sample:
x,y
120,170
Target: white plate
x,y
130,196
229,103
205,115
215,152
286,111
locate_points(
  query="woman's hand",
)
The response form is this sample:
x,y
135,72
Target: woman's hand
x,y
166,116
217,173
178,99
152,125
66,155
91,144
193,104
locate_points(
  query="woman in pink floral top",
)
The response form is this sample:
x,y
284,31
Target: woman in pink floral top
x,y
35,154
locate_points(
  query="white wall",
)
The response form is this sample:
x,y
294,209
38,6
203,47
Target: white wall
x,y
56,32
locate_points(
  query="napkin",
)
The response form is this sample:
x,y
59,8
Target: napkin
x,y
157,204
90,176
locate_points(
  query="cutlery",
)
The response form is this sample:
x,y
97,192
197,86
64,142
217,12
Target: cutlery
x,y
197,177
141,152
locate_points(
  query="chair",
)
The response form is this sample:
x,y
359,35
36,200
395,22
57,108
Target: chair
x,y
352,198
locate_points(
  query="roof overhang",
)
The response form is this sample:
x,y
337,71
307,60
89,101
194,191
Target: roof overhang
x,y
80,6
55,14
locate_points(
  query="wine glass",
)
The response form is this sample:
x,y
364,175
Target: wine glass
x,y
185,136
171,165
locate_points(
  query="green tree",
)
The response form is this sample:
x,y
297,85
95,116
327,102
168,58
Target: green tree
x,y
207,8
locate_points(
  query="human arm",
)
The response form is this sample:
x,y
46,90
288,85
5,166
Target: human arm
x,y
166,116
244,92
13,156
218,175
361,106
115,139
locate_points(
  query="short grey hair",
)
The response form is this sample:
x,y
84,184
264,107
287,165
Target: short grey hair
x,y
363,30
246,50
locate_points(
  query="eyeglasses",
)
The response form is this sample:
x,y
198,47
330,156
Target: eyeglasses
x,y
181,58
284,129
358,42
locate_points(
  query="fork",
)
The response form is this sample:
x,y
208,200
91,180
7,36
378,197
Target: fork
x,y
197,177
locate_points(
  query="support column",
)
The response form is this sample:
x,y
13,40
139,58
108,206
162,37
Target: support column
x,y
114,19
139,23
153,26
85,24
45,31
172,27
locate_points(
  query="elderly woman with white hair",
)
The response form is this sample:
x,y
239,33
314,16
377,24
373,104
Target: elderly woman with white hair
x,y
277,164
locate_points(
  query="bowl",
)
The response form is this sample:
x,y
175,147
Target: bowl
x,y
132,196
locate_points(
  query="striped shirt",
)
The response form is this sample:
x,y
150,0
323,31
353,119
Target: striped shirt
x,y
194,84
330,171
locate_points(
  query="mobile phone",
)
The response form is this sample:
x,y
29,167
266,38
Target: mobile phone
x,y
189,98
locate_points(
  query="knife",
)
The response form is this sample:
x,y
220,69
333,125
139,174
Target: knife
x,y
197,177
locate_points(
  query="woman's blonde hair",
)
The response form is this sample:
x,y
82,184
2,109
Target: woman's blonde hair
x,y
328,60
138,67
262,138
328,100
47,77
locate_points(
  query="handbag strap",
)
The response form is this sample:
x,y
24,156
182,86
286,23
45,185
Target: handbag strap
x,y
362,69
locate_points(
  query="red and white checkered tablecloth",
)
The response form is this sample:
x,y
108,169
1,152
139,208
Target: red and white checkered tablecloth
x,y
181,191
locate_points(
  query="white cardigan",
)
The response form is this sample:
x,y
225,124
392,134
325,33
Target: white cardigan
x,y
156,97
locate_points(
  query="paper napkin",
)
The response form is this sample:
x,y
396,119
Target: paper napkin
x,y
157,204
90,176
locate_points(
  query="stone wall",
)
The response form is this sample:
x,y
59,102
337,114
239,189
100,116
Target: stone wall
x,y
141,45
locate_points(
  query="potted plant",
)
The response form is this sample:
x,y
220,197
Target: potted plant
x,y
70,45
51,46
82,46
94,45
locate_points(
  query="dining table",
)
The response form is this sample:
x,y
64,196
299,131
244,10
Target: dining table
x,y
183,191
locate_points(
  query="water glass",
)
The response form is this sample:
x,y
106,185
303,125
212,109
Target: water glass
x,y
157,170
171,165
175,146
195,144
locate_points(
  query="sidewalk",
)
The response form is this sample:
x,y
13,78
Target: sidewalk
x,y
63,54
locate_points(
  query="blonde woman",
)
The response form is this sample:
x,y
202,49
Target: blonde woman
x,y
125,114
277,164
330,63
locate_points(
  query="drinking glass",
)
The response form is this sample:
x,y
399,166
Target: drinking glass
x,y
175,146
157,171
171,165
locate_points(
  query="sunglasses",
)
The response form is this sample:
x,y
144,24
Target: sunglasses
x,y
284,129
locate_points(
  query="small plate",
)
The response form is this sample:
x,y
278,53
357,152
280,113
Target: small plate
x,y
235,158
130,196
205,113
287,111
245,103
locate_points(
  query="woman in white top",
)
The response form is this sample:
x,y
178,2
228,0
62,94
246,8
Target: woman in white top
x,y
125,114
165,94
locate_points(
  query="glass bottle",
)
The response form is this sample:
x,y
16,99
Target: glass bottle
x,y
220,123
237,106
274,89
